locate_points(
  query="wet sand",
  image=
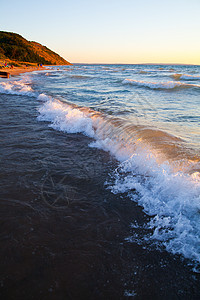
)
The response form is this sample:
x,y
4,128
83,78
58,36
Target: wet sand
x,y
19,70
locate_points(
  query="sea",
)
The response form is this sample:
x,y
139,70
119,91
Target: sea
x,y
100,182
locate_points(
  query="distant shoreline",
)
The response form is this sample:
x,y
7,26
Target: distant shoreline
x,y
137,64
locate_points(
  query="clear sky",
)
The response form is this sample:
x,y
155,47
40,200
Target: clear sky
x,y
109,31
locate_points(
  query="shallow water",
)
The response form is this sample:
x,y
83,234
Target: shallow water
x,y
100,183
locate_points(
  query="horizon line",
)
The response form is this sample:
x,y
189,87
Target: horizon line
x,y
165,64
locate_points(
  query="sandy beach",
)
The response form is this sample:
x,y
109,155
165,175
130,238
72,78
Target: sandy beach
x,y
19,70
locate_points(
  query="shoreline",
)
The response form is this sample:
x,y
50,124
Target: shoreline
x,y
68,217
7,72
53,186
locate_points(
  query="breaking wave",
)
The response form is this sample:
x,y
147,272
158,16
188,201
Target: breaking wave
x,y
168,85
185,77
16,88
155,169
164,182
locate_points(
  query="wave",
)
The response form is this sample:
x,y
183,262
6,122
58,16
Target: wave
x,y
185,77
154,170
64,117
143,72
172,199
168,85
80,77
16,88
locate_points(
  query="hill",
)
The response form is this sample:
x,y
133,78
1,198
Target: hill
x,y
14,47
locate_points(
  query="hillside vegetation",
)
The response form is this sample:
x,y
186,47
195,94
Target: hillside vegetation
x,y
14,47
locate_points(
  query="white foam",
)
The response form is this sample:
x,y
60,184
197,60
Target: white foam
x,y
65,118
172,198
190,77
128,293
186,76
159,85
43,97
21,87
16,88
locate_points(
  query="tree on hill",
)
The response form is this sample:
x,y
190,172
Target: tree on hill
x,y
15,47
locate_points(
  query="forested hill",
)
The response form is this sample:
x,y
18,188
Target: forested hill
x,y
14,47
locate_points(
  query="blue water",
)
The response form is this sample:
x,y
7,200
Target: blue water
x,y
148,118
165,97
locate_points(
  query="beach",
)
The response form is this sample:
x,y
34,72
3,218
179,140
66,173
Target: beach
x,y
19,70
99,189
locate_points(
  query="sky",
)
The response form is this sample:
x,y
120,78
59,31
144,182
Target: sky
x,y
109,31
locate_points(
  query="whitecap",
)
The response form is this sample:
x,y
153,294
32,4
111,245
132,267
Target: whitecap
x,y
170,196
159,85
16,88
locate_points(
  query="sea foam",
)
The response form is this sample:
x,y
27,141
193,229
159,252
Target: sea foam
x,y
20,87
160,85
172,199
65,118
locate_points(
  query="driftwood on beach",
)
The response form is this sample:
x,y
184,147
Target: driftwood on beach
x,y
4,74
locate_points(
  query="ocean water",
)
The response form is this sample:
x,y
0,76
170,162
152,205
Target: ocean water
x,y
126,135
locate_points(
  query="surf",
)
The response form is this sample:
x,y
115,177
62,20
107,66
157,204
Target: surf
x,y
154,170
185,77
14,87
167,85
